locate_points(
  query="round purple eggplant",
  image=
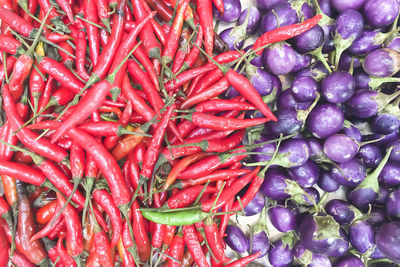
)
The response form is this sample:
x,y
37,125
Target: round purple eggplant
x,y
259,238
338,87
233,37
342,5
367,42
319,233
302,61
385,123
370,154
351,131
327,183
350,260
309,40
280,254
325,120
361,235
393,43
395,155
270,4
380,13
288,122
362,80
236,239
304,88
354,172
265,148
383,195
348,27
377,216
382,139
328,45
254,19
367,191
305,175
341,211
287,101
310,198
263,81
326,7
388,240
279,59
274,185
232,10
307,258
340,148
393,204
384,62
282,218
341,247
292,152
255,205
284,14
346,60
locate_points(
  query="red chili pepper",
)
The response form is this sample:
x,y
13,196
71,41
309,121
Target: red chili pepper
x,y
194,53
283,33
103,198
244,261
163,11
54,17
65,6
36,87
93,259
54,256
104,38
193,244
225,217
169,234
19,259
45,213
54,220
140,233
10,62
103,12
219,4
80,52
59,230
92,31
214,240
17,23
56,37
183,77
65,258
9,44
21,70
187,196
204,9
102,247
183,50
158,30
176,250
66,59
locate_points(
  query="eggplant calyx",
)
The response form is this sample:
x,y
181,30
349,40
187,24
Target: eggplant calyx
x,y
326,227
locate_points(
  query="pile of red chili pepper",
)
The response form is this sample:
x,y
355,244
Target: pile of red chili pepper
x,y
115,146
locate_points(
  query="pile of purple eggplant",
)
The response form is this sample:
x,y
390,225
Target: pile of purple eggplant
x,y
335,92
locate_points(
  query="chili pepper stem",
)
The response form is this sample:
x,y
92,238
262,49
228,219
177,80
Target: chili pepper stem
x,y
88,188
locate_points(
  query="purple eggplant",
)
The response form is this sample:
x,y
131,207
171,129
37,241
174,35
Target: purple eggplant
x,y
382,139
362,80
380,13
340,148
341,211
270,4
377,216
282,218
325,120
255,205
346,59
383,195
393,43
351,131
367,191
354,172
234,37
385,123
368,42
326,7
253,20
310,198
327,183
292,152
349,26
305,175
317,71
329,44
366,103
283,14
287,101
384,62
342,5
370,154
341,247
302,61
307,258
395,155
232,10
263,148
304,88
388,240
309,40
263,81
236,239
259,238
347,261
362,236
279,59
280,254
393,204
338,87
319,233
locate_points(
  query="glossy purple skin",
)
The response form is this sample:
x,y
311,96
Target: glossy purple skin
x,y
388,240
263,81
348,261
370,155
385,138
349,24
338,87
284,13
340,211
342,5
299,250
267,148
345,62
279,59
325,120
269,4
393,204
280,254
395,155
274,185
307,11
327,183
286,124
307,233
362,80
254,19
341,247
352,132
383,195
305,175
365,43
314,195
304,88
320,261
232,10
302,61
361,235
309,40
328,39
260,243
377,216
362,197
233,41
236,239
315,147
287,101
382,62
354,171
385,123
394,44
363,104
255,205
380,13
326,7
282,218
296,149
340,148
